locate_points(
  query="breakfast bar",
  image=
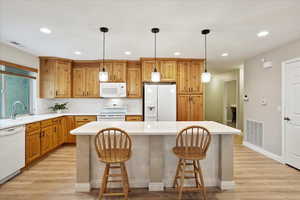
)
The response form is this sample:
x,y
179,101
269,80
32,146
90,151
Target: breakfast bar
x,y
153,164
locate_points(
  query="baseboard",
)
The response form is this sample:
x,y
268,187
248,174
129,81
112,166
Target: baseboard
x,y
7,178
264,152
156,186
82,187
226,185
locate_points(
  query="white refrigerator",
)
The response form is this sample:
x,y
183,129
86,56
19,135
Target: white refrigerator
x,y
160,102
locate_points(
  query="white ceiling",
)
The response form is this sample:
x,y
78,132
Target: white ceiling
x,y
75,27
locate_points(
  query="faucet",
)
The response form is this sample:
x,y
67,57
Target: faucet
x,y
14,110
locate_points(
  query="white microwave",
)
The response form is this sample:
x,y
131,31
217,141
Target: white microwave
x,y
112,90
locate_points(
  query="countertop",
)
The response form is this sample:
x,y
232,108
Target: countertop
x,y
153,127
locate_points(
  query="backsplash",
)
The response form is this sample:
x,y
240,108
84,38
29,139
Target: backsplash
x,y
134,106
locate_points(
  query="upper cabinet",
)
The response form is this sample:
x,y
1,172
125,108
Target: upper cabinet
x,y
116,70
167,69
134,80
189,77
55,77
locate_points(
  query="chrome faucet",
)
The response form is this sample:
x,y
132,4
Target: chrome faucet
x,y
14,110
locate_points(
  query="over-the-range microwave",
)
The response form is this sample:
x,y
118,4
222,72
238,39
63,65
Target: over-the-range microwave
x,y
112,90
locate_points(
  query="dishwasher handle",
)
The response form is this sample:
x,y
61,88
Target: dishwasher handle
x,y
11,131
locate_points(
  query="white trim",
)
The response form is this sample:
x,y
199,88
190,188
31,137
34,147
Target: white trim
x,y
226,185
283,78
82,187
156,186
264,152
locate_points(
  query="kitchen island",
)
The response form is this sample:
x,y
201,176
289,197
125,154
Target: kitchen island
x,y
153,164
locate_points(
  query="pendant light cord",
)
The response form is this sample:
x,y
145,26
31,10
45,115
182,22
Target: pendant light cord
x,y
155,70
205,49
103,51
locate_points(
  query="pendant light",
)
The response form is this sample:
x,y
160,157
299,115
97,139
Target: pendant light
x,y
205,76
155,75
103,75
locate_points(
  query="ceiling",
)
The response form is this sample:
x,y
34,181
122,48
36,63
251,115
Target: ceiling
x,y
75,27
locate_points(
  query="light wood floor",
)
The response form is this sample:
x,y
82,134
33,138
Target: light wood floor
x,y
257,178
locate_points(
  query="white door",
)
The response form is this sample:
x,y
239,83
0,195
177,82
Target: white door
x,y
166,103
292,113
150,104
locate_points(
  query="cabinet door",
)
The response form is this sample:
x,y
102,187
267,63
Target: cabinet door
x,y
92,82
79,82
63,79
183,108
196,113
147,69
33,150
183,77
168,71
70,125
108,68
195,71
134,82
119,72
47,78
54,135
46,139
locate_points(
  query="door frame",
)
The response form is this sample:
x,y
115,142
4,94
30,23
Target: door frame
x,y
283,101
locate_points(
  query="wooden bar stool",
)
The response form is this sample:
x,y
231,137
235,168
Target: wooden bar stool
x,y
191,147
113,147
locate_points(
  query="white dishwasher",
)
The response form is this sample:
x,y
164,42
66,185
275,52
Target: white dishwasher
x,y
12,152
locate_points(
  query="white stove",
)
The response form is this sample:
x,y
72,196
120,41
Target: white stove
x,y
112,114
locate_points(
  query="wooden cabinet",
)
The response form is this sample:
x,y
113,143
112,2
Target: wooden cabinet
x,y
189,77
55,78
147,68
116,70
86,82
81,120
190,107
46,139
33,148
134,81
167,69
134,118
70,125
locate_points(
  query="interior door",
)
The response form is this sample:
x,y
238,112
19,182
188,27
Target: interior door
x,y
292,114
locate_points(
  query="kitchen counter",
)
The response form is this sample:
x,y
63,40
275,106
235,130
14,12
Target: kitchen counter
x,y
153,164
9,123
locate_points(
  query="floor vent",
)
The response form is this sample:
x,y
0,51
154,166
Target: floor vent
x,y
254,132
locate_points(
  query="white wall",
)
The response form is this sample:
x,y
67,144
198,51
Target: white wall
x,y
266,83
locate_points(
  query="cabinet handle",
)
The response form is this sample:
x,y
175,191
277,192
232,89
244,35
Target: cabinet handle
x,y
56,93
192,89
82,93
87,93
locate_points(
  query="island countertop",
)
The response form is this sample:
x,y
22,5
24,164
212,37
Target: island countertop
x,y
153,127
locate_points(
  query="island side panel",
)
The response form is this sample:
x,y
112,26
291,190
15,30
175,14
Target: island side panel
x,y
82,163
226,162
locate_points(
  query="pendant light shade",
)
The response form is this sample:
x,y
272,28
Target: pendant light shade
x,y
103,75
205,76
155,75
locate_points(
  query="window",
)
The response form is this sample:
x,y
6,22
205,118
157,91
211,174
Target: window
x,y
16,85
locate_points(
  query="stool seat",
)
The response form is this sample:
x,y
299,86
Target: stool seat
x,y
115,155
189,153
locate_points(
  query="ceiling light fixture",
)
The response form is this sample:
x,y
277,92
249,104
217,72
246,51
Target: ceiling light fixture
x,y
77,52
127,53
205,76
177,53
103,75
225,54
155,75
262,33
45,30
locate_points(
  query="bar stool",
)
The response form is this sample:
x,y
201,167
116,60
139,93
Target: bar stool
x,y
113,147
191,147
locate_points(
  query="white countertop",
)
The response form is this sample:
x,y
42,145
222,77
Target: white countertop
x,y
9,123
153,127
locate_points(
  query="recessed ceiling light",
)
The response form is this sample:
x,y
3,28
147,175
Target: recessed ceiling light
x,y
177,53
225,54
127,53
77,52
45,30
262,33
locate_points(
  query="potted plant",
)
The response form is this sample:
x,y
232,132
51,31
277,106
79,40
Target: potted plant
x,y
58,108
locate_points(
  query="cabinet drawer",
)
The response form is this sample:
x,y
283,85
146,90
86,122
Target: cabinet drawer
x,y
85,118
33,126
134,118
47,122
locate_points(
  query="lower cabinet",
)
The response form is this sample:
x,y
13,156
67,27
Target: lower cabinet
x,y
133,118
33,145
82,120
46,139
190,108
70,125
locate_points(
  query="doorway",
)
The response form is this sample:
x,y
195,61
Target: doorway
x,y
230,103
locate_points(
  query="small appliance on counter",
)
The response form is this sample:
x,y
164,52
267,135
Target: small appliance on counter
x,y
112,113
112,90
160,102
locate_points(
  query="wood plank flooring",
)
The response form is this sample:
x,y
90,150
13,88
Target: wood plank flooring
x,y
257,178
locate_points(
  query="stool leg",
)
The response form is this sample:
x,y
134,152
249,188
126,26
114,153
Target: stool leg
x,y
124,181
181,180
202,180
127,177
104,181
177,173
196,174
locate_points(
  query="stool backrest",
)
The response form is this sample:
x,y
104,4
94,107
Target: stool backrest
x,y
194,136
112,141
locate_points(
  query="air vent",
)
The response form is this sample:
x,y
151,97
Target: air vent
x,y
254,132
16,43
